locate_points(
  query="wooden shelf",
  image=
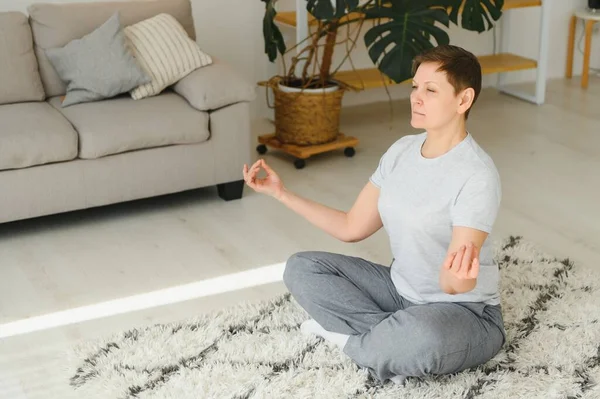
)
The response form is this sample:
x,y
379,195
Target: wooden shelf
x,y
371,77
367,78
289,17
505,62
497,63
510,4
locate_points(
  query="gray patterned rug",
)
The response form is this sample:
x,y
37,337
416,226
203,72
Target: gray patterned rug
x,y
551,311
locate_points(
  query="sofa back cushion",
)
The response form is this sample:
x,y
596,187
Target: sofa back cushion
x,y
56,24
19,77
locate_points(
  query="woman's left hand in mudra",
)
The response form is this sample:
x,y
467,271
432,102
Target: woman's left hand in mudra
x,y
463,264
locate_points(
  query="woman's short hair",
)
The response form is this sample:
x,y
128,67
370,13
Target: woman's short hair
x,y
462,68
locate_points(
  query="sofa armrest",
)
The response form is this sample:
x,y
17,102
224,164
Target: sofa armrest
x,y
215,86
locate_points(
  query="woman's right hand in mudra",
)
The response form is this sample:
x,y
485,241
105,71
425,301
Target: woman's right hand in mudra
x,y
270,185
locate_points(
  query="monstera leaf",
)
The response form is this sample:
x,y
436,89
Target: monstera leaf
x,y
393,44
324,11
272,35
475,13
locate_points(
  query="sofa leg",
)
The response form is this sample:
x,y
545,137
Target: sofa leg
x,y
232,190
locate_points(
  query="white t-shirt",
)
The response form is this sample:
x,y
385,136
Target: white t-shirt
x,y
421,199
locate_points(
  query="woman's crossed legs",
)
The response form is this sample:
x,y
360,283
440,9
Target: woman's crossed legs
x,y
389,335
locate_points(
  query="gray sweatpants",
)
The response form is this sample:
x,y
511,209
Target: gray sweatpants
x,y
388,334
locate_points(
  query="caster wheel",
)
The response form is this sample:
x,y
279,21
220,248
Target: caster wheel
x,y
261,149
349,151
299,163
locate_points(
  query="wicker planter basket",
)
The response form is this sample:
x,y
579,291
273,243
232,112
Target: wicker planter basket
x,y
307,117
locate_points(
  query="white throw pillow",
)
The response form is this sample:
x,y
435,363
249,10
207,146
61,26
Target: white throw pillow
x,y
164,50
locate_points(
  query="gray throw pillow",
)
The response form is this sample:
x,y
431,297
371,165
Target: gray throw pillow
x,y
97,66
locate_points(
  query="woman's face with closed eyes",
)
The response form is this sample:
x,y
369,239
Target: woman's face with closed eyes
x,y
434,103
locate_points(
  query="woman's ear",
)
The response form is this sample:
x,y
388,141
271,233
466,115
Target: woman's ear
x,y
465,100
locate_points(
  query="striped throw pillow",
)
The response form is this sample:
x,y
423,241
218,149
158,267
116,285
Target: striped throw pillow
x,y
164,50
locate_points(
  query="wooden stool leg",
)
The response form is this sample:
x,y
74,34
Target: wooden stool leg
x,y
571,46
589,26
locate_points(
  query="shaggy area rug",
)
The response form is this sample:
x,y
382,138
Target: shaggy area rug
x,y
551,310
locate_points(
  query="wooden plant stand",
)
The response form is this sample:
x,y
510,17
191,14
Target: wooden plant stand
x,y
303,152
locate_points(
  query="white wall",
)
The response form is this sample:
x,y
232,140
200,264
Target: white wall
x,y
232,30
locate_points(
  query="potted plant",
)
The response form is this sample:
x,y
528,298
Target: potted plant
x,y
307,104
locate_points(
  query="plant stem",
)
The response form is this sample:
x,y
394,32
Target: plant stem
x,y
313,48
292,71
330,40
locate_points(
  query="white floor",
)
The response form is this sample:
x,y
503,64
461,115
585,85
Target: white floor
x,y
548,157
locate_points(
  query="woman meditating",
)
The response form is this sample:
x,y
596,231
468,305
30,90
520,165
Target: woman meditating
x,y
437,309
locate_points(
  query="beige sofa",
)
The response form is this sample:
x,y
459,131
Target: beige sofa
x,y
55,159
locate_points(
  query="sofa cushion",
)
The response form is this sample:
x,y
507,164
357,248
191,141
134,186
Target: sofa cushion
x,y
165,51
122,124
19,77
56,24
97,66
215,86
34,133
